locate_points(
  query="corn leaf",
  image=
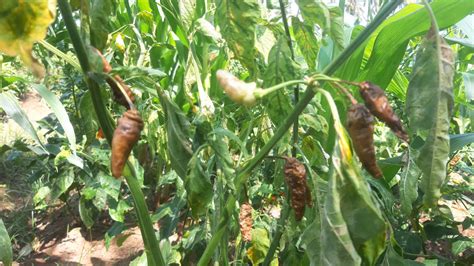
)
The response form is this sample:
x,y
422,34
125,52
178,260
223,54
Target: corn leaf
x,y
6,254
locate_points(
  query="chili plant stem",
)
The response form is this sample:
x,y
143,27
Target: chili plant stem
x,y
278,233
152,248
300,106
260,93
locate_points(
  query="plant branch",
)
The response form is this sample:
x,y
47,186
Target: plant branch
x,y
300,106
152,248
296,90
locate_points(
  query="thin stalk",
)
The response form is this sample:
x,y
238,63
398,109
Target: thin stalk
x,y
152,248
260,93
296,90
345,92
300,106
278,233
73,62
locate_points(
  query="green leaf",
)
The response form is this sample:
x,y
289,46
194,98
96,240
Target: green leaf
x,y
409,183
311,241
429,104
198,186
89,124
87,212
117,213
62,183
307,42
389,43
179,145
10,105
237,21
468,78
457,142
280,68
100,16
6,253
329,19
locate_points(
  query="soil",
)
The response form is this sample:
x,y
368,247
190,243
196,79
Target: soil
x,y
56,236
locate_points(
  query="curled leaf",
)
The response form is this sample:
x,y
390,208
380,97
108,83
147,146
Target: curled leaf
x,y
237,90
295,177
21,24
125,137
361,129
377,102
245,221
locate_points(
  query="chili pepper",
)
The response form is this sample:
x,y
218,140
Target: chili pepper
x,y
237,90
114,83
295,177
361,129
126,135
245,221
377,102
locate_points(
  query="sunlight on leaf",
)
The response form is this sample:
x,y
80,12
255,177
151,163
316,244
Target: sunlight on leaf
x,y
21,24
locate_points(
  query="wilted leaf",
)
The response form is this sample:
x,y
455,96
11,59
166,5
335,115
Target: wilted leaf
x,y
21,24
329,19
6,255
100,16
259,246
429,104
306,41
409,183
280,68
179,145
198,186
237,20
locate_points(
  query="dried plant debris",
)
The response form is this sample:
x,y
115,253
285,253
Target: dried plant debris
x,y
377,102
295,177
245,221
360,124
126,135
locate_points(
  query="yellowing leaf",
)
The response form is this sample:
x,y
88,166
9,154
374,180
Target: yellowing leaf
x,y
23,22
260,245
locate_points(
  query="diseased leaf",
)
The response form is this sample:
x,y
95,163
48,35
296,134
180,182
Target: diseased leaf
x,y
87,212
237,21
307,42
21,24
100,16
409,183
280,68
259,246
429,104
329,19
6,254
198,186
179,145
348,205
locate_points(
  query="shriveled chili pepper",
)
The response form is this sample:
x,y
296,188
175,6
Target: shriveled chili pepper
x,y
295,177
245,221
126,135
114,83
360,124
377,102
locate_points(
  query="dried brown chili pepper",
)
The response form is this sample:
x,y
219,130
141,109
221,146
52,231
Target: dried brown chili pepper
x,y
245,221
114,83
126,135
295,177
377,102
360,124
